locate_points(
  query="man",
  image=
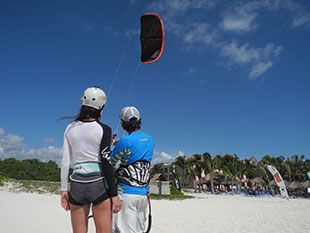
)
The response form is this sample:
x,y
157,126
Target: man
x,y
134,152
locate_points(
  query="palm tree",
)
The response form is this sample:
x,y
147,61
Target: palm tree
x,y
299,169
212,166
248,169
308,168
191,172
268,160
198,166
180,162
287,167
231,167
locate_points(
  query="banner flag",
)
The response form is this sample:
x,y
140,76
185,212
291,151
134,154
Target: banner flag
x,y
278,179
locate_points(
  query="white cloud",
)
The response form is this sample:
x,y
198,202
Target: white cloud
x,y
198,33
259,58
303,20
180,153
259,69
192,71
174,12
12,145
242,54
133,32
240,18
87,26
239,23
49,141
162,157
173,8
300,15
243,15
189,72
1,132
239,54
45,154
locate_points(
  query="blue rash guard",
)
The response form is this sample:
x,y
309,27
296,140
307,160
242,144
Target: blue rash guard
x,y
129,149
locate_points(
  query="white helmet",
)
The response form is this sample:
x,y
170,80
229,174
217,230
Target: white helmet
x,y
94,97
129,113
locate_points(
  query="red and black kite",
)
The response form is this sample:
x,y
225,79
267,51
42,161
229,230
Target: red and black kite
x,y
151,37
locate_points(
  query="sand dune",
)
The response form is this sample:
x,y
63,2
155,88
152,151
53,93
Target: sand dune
x,y
38,213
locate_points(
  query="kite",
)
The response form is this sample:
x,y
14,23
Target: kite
x,y
151,37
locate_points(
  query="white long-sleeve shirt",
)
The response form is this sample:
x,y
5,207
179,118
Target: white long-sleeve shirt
x,y
83,142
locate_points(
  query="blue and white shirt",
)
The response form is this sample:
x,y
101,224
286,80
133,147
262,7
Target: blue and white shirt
x,y
129,149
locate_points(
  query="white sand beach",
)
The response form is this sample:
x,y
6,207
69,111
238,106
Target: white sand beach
x,y
37,213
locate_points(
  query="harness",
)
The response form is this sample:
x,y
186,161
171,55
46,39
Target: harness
x,y
86,168
136,174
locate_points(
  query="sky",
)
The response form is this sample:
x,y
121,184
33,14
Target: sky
x,y
233,78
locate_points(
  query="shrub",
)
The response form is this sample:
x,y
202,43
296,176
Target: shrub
x,y
2,180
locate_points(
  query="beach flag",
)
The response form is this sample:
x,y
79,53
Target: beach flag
x,y
279,181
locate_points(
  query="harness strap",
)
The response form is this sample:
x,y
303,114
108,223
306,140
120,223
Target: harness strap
x,y
136,174
86,168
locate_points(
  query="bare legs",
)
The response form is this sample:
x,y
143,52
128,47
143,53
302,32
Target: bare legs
x,y
102,215
79,218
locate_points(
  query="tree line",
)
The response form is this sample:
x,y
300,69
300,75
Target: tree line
x,y
226,167
231,168
30,169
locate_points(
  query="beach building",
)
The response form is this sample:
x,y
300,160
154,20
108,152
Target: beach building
x,y
159,184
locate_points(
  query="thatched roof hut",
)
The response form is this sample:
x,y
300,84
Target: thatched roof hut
x,y
295,185
217,178
159,177
229,182
273,183
253,161
306,184
287,183
258,180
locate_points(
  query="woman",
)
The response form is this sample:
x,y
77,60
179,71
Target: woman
x,y
87,147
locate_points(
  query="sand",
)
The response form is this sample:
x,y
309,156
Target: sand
x,y
38,213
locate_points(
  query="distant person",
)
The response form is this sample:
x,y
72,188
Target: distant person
x,y
87,146
134,152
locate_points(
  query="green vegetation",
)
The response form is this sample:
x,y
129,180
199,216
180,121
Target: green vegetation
x,y
30,169
35,186
30,186
30,175
175,194
2,180
33,175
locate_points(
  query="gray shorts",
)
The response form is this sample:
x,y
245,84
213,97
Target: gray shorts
x,y
88,193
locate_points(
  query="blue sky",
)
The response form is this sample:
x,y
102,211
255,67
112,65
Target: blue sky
x,y
233,78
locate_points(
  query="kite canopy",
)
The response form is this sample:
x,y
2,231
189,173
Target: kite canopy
x,y
151,37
